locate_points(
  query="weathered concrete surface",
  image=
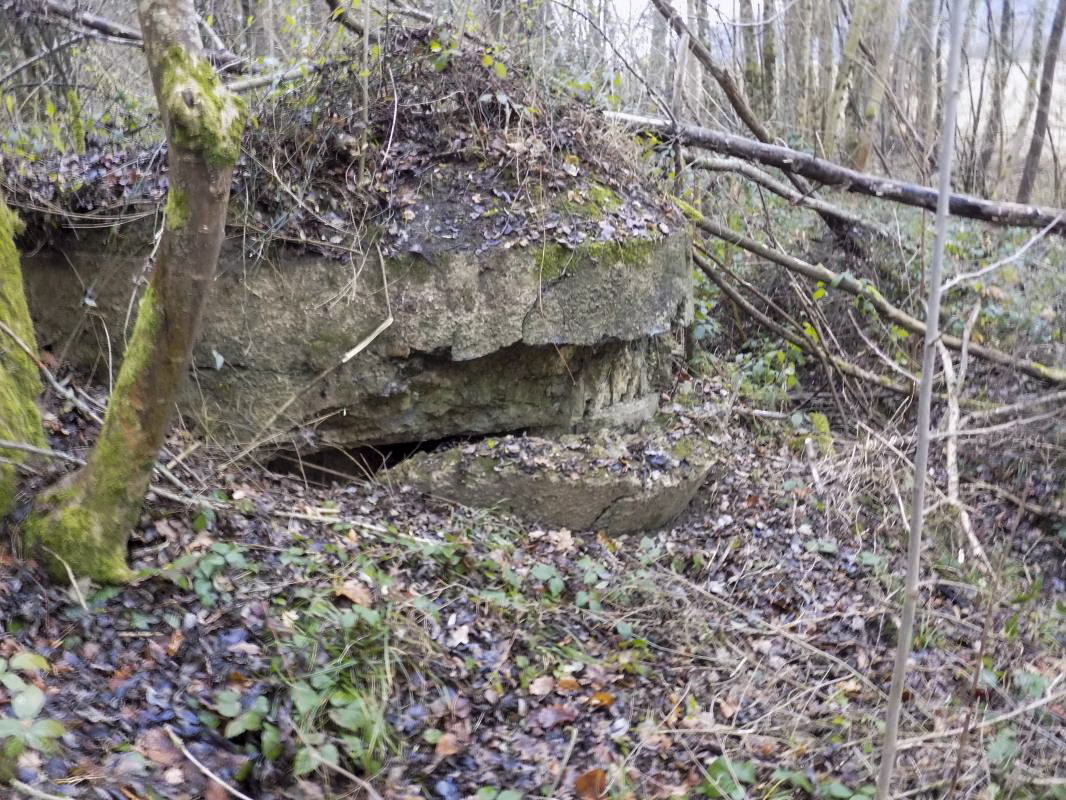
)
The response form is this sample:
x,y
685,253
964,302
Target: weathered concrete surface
x,y
536,338
614,483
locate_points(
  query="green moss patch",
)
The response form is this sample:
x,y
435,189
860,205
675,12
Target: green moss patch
x,y
20,383
554,260
204,116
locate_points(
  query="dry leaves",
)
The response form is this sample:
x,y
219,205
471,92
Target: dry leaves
x,y
591,785
551,716
541,686
356,591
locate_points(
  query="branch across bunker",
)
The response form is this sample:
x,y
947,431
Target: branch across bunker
x,y
454,150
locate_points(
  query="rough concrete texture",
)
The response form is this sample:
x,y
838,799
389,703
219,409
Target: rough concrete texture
x,y
484,343
603,482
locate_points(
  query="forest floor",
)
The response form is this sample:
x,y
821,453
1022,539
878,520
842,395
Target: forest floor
x,y
295,640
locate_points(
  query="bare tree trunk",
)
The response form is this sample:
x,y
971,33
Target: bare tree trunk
x,y
835,113
1043,104
752,83
768,78
85,521
826,66
928,24
658,75
993,134
703,30
802,31
883,44
20,384
1036,56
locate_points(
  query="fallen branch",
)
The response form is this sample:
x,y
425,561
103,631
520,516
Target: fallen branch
x,y
769,182
340,15
794,162
853,286
178,743
47,9
1047,699
735,95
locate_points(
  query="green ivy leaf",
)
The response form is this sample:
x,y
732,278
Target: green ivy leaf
x,y
47,729
305,698
304,762
28,662
836,790
543,572
270,742
12,681
228,703
432,736
248,721
28,703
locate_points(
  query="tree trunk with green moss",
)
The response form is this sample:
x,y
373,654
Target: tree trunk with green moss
x,y
85,522
20,383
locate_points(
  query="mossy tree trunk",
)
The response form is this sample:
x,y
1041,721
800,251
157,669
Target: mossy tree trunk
x,y
20,384
84,523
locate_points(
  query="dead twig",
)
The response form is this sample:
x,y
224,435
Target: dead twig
x,y
178,743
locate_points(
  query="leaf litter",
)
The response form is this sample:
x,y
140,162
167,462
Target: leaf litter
x,y
289,636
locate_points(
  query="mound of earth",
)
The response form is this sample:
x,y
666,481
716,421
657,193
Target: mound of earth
x,y
483,258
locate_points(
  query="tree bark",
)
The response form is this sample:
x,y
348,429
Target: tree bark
x,y
768,78
993,133
1036,57
752,82
842,88
883,44
830,174
20,384
1043,104
826,64
84,522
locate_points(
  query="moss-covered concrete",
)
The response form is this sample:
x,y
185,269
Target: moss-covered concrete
x,y
20,383
479,344
205,118
593,202
555,260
